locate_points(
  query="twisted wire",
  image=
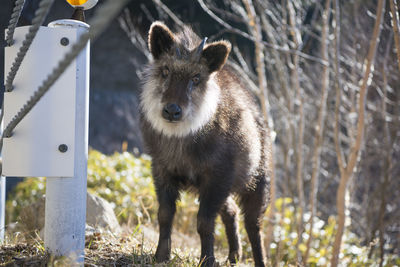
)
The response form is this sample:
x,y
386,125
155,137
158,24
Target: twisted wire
x,y
37,21
19,4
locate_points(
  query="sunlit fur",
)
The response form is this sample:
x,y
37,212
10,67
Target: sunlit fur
x,y
202,100
194,117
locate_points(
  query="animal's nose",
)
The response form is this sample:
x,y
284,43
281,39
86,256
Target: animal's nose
x,y
172,112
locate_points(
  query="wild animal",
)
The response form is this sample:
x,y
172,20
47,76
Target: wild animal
x,y
204,131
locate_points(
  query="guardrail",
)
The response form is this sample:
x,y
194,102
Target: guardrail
x,y
48,134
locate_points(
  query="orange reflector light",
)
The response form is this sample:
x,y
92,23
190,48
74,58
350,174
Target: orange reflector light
x,y
76,2
85,4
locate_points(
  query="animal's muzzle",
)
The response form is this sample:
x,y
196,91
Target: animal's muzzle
x,y
172,112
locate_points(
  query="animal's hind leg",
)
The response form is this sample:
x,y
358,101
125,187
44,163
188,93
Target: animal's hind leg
x,y
229,214
254,203
212,198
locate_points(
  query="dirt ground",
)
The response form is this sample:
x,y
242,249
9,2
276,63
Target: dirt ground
x,y
131,248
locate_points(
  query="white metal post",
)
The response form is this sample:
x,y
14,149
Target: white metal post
x,y
2,206
66,197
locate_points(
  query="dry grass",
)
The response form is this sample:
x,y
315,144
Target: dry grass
x,y
132,248
22,254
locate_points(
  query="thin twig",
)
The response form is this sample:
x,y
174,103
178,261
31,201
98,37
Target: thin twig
x,y
337,139
395,21
249,37
169,13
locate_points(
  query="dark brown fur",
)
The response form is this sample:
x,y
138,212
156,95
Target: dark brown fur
x,y
215,161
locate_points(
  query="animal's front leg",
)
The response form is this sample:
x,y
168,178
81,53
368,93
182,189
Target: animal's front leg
x,y
211,201
167,206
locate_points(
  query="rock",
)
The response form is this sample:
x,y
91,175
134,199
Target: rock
x,y
99,215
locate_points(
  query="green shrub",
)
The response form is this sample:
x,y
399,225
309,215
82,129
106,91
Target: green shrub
x,y
122,179
125,181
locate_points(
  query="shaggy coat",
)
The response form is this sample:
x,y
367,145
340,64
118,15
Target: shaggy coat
x,y
204,132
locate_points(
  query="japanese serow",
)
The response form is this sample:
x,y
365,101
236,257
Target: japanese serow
x,y
205,133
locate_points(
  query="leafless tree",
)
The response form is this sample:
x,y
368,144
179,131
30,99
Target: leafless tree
x,y
347,167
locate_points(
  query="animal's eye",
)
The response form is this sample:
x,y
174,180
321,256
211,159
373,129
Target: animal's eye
x,y
165,72
196,79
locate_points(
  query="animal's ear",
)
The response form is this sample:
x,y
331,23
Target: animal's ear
x,y
216,54
161,39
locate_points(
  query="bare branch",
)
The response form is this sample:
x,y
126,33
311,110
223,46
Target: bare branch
x,y
315,160
249,37
356,146
339,151
169,13
255,29
387,160
126,24
395,24
242,62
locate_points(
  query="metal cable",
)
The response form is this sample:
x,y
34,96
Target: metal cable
x,y
102,18
19,4
37,21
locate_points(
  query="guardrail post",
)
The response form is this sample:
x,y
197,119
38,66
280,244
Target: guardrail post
x,y
2,207
66,197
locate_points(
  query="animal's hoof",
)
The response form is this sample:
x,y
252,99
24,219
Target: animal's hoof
x,y
161,256
209,262
234,258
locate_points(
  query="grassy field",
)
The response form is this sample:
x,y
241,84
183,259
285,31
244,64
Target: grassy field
x,y
125,181
134,247
100,250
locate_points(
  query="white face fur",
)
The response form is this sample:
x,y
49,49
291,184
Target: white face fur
x,y
194,117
